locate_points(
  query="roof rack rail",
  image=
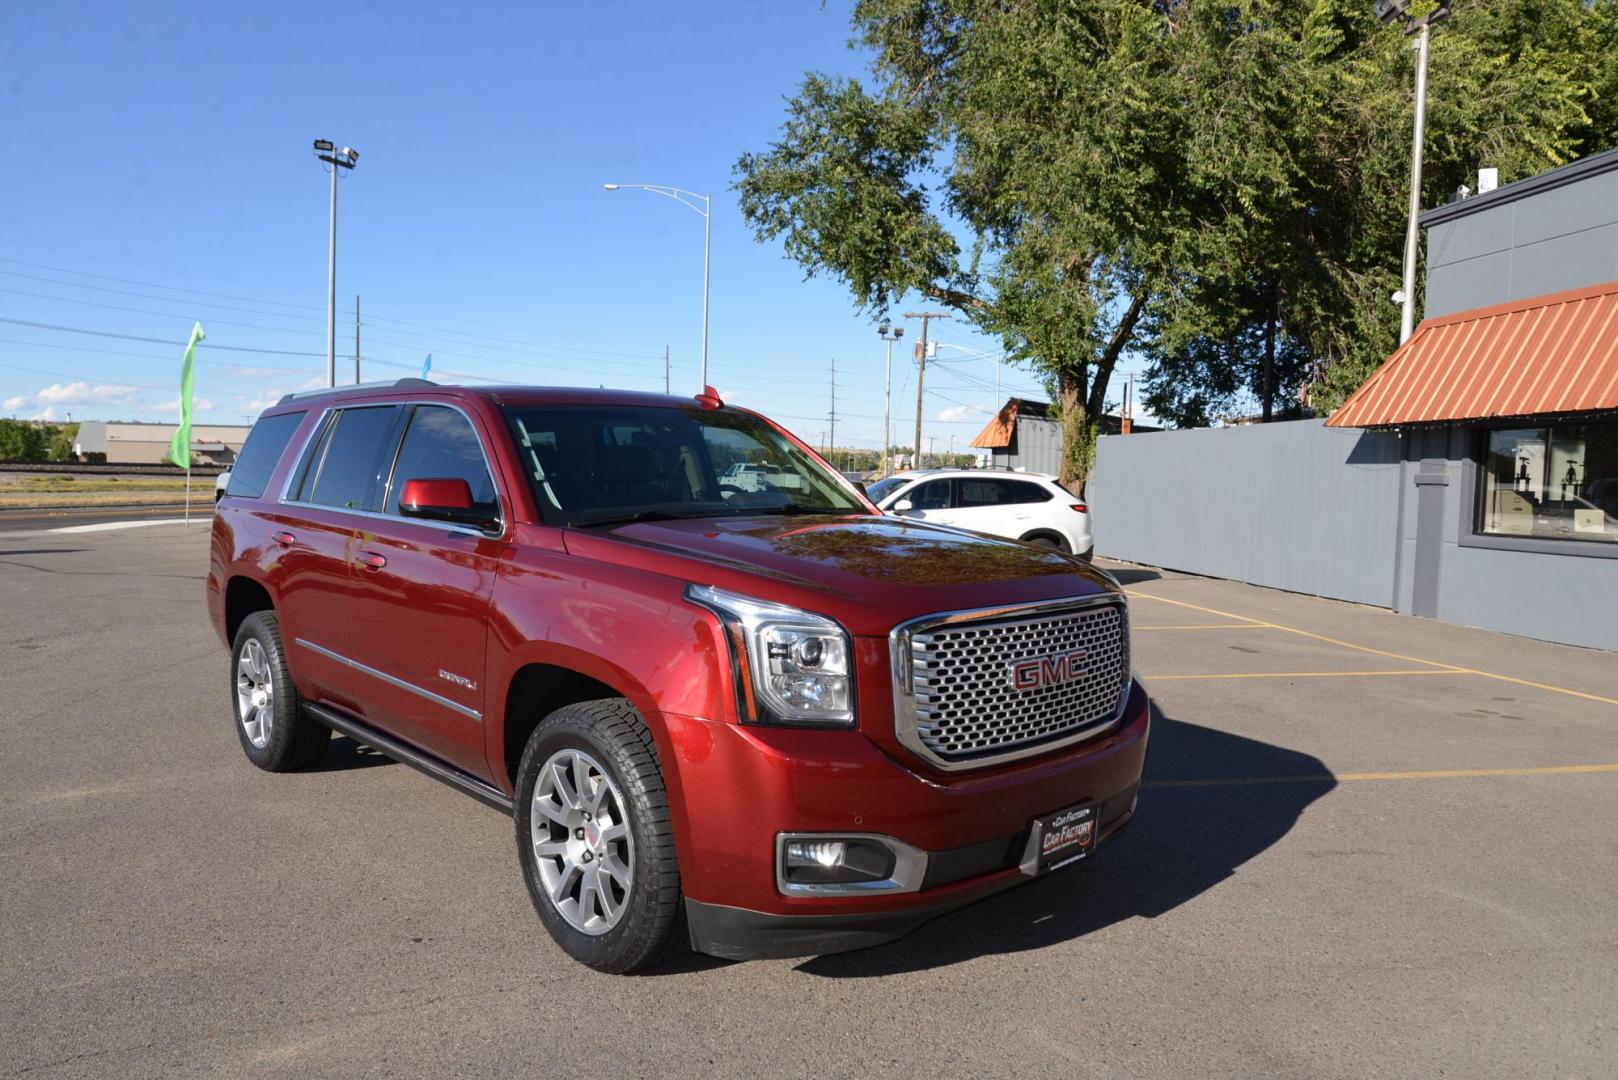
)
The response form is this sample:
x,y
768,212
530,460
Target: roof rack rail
x,y
380,384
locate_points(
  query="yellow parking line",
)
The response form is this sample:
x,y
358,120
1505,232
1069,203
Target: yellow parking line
x,y
1205,626
1445,667
1300,674
1432,774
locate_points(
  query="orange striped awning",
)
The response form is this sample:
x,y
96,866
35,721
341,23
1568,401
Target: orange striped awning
x,y
1549,354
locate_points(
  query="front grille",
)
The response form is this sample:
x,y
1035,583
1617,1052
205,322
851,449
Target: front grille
x,y
962,705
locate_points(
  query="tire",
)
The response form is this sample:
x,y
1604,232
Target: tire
x,y
1047,540
606,753
275,733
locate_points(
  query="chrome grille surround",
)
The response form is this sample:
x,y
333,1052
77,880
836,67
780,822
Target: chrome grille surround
x,y
955,704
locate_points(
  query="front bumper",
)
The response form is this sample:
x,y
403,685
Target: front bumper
x,y
755,783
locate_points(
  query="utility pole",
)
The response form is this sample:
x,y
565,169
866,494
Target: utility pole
x,y
356,339
921,367
1422,30
932,455
888,335
665,369
833,446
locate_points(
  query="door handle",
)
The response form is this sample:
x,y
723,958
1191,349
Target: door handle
x,y
372,559
283,538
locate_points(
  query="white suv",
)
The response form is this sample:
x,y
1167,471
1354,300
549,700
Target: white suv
x,y
1030,507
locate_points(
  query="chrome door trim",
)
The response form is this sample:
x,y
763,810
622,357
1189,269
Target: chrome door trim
x,y
390,679
904,697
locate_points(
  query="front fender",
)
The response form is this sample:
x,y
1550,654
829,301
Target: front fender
x,y
630,630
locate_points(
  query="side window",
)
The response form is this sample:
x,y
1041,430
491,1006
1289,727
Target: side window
x,y
355,447
933,495
264,446
1024,492
441,444
979,491
998,491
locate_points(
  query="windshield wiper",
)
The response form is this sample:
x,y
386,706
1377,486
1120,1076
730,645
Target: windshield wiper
x,y
625,518
792,508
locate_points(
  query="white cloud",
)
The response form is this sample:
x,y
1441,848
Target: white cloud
x,y
198,404
963,412
21,401
83,393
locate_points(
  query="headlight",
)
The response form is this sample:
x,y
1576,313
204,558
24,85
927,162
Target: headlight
x,y
792,667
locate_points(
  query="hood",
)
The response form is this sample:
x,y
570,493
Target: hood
x,y
868,571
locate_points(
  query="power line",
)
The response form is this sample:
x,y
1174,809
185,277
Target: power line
x,y
146,356
155,340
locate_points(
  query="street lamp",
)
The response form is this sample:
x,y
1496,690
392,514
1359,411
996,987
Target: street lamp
x,y
889,335
1388,11
688,199
339,159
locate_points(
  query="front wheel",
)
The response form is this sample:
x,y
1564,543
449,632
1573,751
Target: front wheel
x,y
595,841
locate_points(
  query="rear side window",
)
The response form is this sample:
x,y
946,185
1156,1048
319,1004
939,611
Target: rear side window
x,y
994,491
265,444
351,458
440,444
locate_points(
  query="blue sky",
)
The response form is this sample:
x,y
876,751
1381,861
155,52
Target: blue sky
x,y
158,171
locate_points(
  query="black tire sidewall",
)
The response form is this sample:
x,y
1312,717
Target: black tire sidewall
x,y
626,946
280,752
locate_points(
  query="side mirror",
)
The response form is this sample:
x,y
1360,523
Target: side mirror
x,y
441,499
903,506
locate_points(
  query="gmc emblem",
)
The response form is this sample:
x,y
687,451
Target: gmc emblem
x,y
1049,670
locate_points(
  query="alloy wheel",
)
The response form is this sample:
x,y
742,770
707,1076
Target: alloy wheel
x,y
255,693
582,845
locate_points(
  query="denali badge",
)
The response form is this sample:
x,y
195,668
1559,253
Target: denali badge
x,y
1049,670
458,680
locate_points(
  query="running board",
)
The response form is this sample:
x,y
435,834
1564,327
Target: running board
x,y
406,754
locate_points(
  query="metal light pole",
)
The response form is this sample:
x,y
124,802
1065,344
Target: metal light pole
x,y
889,335
680,195
1387,11
346,158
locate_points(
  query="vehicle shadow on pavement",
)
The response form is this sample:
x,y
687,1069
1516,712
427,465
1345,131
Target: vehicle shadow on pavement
x,y
1185,840
1134,575
344,753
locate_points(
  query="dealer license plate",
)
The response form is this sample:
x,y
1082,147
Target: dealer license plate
x,y
1065,836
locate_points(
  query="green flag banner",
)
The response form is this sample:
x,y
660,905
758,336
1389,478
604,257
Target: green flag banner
x,y
180,445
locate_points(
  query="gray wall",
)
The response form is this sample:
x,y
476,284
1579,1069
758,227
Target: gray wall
x,y
1294,505
1551,232
1312,509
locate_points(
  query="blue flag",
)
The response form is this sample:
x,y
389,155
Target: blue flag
x,y
427,365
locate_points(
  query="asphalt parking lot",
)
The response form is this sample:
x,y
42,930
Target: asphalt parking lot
x,y
1368,846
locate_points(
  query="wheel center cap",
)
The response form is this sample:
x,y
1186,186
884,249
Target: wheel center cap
x,y
592,836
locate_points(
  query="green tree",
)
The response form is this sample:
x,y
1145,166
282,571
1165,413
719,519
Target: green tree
x,y
1218,187
21,441
59,440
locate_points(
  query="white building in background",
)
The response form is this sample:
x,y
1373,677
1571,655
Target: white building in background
x,y
119,442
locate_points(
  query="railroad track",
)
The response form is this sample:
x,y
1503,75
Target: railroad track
x,y
61,467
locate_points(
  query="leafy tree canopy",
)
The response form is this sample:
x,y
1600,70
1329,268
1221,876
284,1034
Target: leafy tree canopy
x,y
1206,184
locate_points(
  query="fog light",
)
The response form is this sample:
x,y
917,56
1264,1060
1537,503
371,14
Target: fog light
x,y
846,860
816,853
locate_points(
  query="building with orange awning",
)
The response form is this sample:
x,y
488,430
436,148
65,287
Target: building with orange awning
x,y
1506,402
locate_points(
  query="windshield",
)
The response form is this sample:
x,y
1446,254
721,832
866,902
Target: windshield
x,y
884,487
602,464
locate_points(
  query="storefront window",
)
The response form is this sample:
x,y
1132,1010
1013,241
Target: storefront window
x,y
1556,483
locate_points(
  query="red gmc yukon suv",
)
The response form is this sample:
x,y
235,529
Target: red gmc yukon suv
x,y
753,721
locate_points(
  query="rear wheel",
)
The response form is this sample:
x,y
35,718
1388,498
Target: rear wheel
x,y
274,732
1046,540
594,838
